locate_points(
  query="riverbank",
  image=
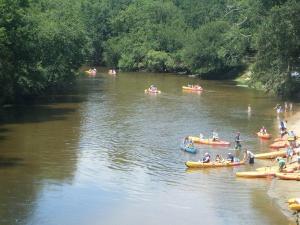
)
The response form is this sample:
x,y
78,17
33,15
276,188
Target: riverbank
x,y
281,190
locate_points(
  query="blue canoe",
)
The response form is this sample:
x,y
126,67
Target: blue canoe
x,y
188,149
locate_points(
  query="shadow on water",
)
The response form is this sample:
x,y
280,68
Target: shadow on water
x,y
38,145
33,114
10,162
51,107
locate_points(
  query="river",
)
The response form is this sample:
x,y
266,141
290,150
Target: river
x,y
108,154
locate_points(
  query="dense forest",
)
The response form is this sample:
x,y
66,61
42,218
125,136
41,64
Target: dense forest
x,y
43,43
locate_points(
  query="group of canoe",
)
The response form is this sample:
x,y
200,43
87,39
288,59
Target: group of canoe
x,y
153,89
192,149
93,72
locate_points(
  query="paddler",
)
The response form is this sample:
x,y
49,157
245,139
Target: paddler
x,y
215,136
206,158
263,130
230,157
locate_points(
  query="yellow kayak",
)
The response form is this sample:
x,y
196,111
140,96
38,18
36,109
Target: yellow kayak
x,y
270,155
288,176
192,164
90,72
208,141
149,91
255,174
192,88
294,201
289,168
295,207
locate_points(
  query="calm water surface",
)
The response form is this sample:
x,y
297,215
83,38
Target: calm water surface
x,y
108,154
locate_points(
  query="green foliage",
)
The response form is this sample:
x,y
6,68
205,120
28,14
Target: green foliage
x,y
214,47
278,45
43,43
142,28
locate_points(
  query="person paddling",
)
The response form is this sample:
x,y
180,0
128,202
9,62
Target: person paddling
x,y
263,130
215,136
206,158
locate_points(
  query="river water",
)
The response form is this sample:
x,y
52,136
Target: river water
x,y
107,153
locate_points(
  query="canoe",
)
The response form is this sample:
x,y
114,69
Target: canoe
x,y
263,136
195,88
285,138
295,207
152,92
188,149
289,169
288,176
92,73
279,144
294,201
270,155
208,141
255,174
193,164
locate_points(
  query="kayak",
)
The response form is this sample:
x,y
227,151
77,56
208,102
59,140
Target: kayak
x,y
255,174
152,91
285,138
263,136
270,155
294,201
288,176
294,204
279,144
188,149
289,169
193,164
90,72
195,88
295,207
208,141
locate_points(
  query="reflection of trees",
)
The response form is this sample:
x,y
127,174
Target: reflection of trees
x,y
40,146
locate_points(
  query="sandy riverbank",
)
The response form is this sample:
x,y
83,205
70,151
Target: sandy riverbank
x,y
280,190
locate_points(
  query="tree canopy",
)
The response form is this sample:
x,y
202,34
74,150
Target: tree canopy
x,y
43,43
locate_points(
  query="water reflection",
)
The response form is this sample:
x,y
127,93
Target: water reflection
x,y
108,151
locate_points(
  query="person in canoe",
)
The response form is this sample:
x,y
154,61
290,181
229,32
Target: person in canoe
x,y
238,141
190,144
230,157
153,88
263,130
219,158
201,136
215,136
185,141
248,155
206,158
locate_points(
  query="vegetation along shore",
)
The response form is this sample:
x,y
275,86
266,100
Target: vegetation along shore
x,y
43,43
